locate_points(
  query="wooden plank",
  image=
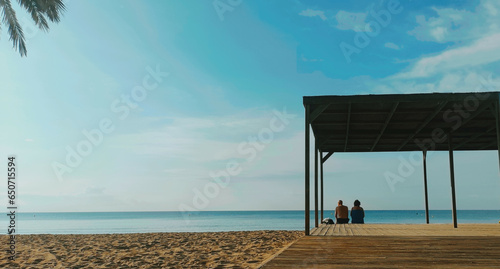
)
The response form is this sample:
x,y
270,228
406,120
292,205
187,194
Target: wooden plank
x,y
319,230
409,230
327,228
331,229
349,230
338,229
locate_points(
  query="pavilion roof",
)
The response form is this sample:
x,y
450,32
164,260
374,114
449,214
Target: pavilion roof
x,y
404,122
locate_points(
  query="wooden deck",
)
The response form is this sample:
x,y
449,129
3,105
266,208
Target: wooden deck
x,y
394,246
407,230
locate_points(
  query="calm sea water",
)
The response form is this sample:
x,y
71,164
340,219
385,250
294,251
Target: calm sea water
x,y
214,221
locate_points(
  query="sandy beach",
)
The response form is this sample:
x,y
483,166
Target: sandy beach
x,y
147,250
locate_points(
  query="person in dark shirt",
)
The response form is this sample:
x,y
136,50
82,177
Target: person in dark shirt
x,y
357,213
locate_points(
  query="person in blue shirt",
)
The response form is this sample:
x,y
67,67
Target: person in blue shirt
x,y
357,213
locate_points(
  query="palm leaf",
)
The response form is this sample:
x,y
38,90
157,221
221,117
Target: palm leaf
x,y
14,28
51,8
40,11
36,14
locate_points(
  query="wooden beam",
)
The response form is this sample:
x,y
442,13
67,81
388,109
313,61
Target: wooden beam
x,y
307,157
387,120
371,124
327,156
472,138
387,98
376,112
477,112
423,124
347,128
489,145
317,112
316,223
425,187
321,142
452,181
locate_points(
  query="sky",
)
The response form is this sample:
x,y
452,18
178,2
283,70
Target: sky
x,y
197,105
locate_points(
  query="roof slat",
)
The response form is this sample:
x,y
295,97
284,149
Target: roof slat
x,y
426,121
385,125
347,128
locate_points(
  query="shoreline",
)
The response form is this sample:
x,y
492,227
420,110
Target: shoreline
x,y
247,249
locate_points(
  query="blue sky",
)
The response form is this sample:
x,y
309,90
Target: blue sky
x,y
182,105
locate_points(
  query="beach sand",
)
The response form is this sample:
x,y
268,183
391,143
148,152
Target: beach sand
x,y
147,250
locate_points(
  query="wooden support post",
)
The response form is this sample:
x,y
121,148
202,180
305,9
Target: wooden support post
x,y
316,193
425,187
307,148
452,179
497,116
321,178
322,160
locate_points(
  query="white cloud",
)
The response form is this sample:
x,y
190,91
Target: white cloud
x,y
491,7
313,13
344,20
197,140
351,21
481,52
457,81
304,59
466,67
392,46
453,25
439,33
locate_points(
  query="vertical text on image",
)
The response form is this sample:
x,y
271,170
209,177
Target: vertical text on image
x,y
12,172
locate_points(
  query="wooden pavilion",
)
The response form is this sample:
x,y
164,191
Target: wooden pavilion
x,y
397,122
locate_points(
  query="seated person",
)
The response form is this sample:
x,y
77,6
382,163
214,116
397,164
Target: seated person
x,y
342,213
357,213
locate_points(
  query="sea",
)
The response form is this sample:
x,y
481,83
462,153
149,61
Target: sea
x,y
213,221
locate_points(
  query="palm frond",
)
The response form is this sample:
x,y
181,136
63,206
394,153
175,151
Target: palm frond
x,y
14,28
52,8
36,14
